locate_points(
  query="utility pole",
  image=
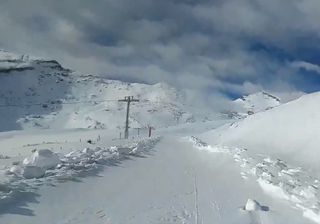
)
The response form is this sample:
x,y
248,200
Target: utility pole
x,y
128,99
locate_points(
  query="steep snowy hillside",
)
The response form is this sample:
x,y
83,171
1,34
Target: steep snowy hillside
x,y
256,102
37,93
289,132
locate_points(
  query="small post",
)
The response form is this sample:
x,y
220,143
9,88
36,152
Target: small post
x,y
150,130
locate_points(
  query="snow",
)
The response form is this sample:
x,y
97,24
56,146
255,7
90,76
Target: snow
x,y
275,177
59,141
30,172
288,132
36,164
256,102
43,158
172,183
279,148
52,97
10,61
252,205
47,165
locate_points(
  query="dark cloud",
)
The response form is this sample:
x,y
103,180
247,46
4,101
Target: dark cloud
x,y
230,47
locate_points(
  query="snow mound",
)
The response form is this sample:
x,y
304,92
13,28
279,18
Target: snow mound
x,y
43,158
252,205
36,165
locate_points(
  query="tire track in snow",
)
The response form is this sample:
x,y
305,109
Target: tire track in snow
x,y
275,177
196,201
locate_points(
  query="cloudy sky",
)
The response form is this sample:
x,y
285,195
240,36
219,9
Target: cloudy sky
x,y
221,47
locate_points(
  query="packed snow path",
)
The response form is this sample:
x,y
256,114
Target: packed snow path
x,y
174,183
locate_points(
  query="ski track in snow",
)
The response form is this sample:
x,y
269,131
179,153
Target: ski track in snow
x,y
71,166
275,177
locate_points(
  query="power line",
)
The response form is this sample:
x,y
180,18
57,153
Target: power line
x,y
62,103
56,103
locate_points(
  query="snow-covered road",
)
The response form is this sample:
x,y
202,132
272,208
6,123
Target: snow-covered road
x,y
174,183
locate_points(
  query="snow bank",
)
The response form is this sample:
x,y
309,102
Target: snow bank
x,y
44,166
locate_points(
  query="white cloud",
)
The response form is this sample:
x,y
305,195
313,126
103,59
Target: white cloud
x,y
203,44
306,65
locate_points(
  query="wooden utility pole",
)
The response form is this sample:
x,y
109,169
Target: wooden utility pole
x,y
128,99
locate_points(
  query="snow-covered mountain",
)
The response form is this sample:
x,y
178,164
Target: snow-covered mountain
x,y
38,93
256,102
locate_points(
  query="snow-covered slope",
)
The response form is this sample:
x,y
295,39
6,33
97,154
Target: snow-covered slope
x,y
290,132
280,148
256,102
38,93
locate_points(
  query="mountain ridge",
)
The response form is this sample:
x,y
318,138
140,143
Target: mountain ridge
x,y
40,93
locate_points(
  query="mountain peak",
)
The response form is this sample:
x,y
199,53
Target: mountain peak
x,y
257,102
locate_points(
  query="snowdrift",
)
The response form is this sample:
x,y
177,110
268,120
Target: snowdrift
x,y
290,132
